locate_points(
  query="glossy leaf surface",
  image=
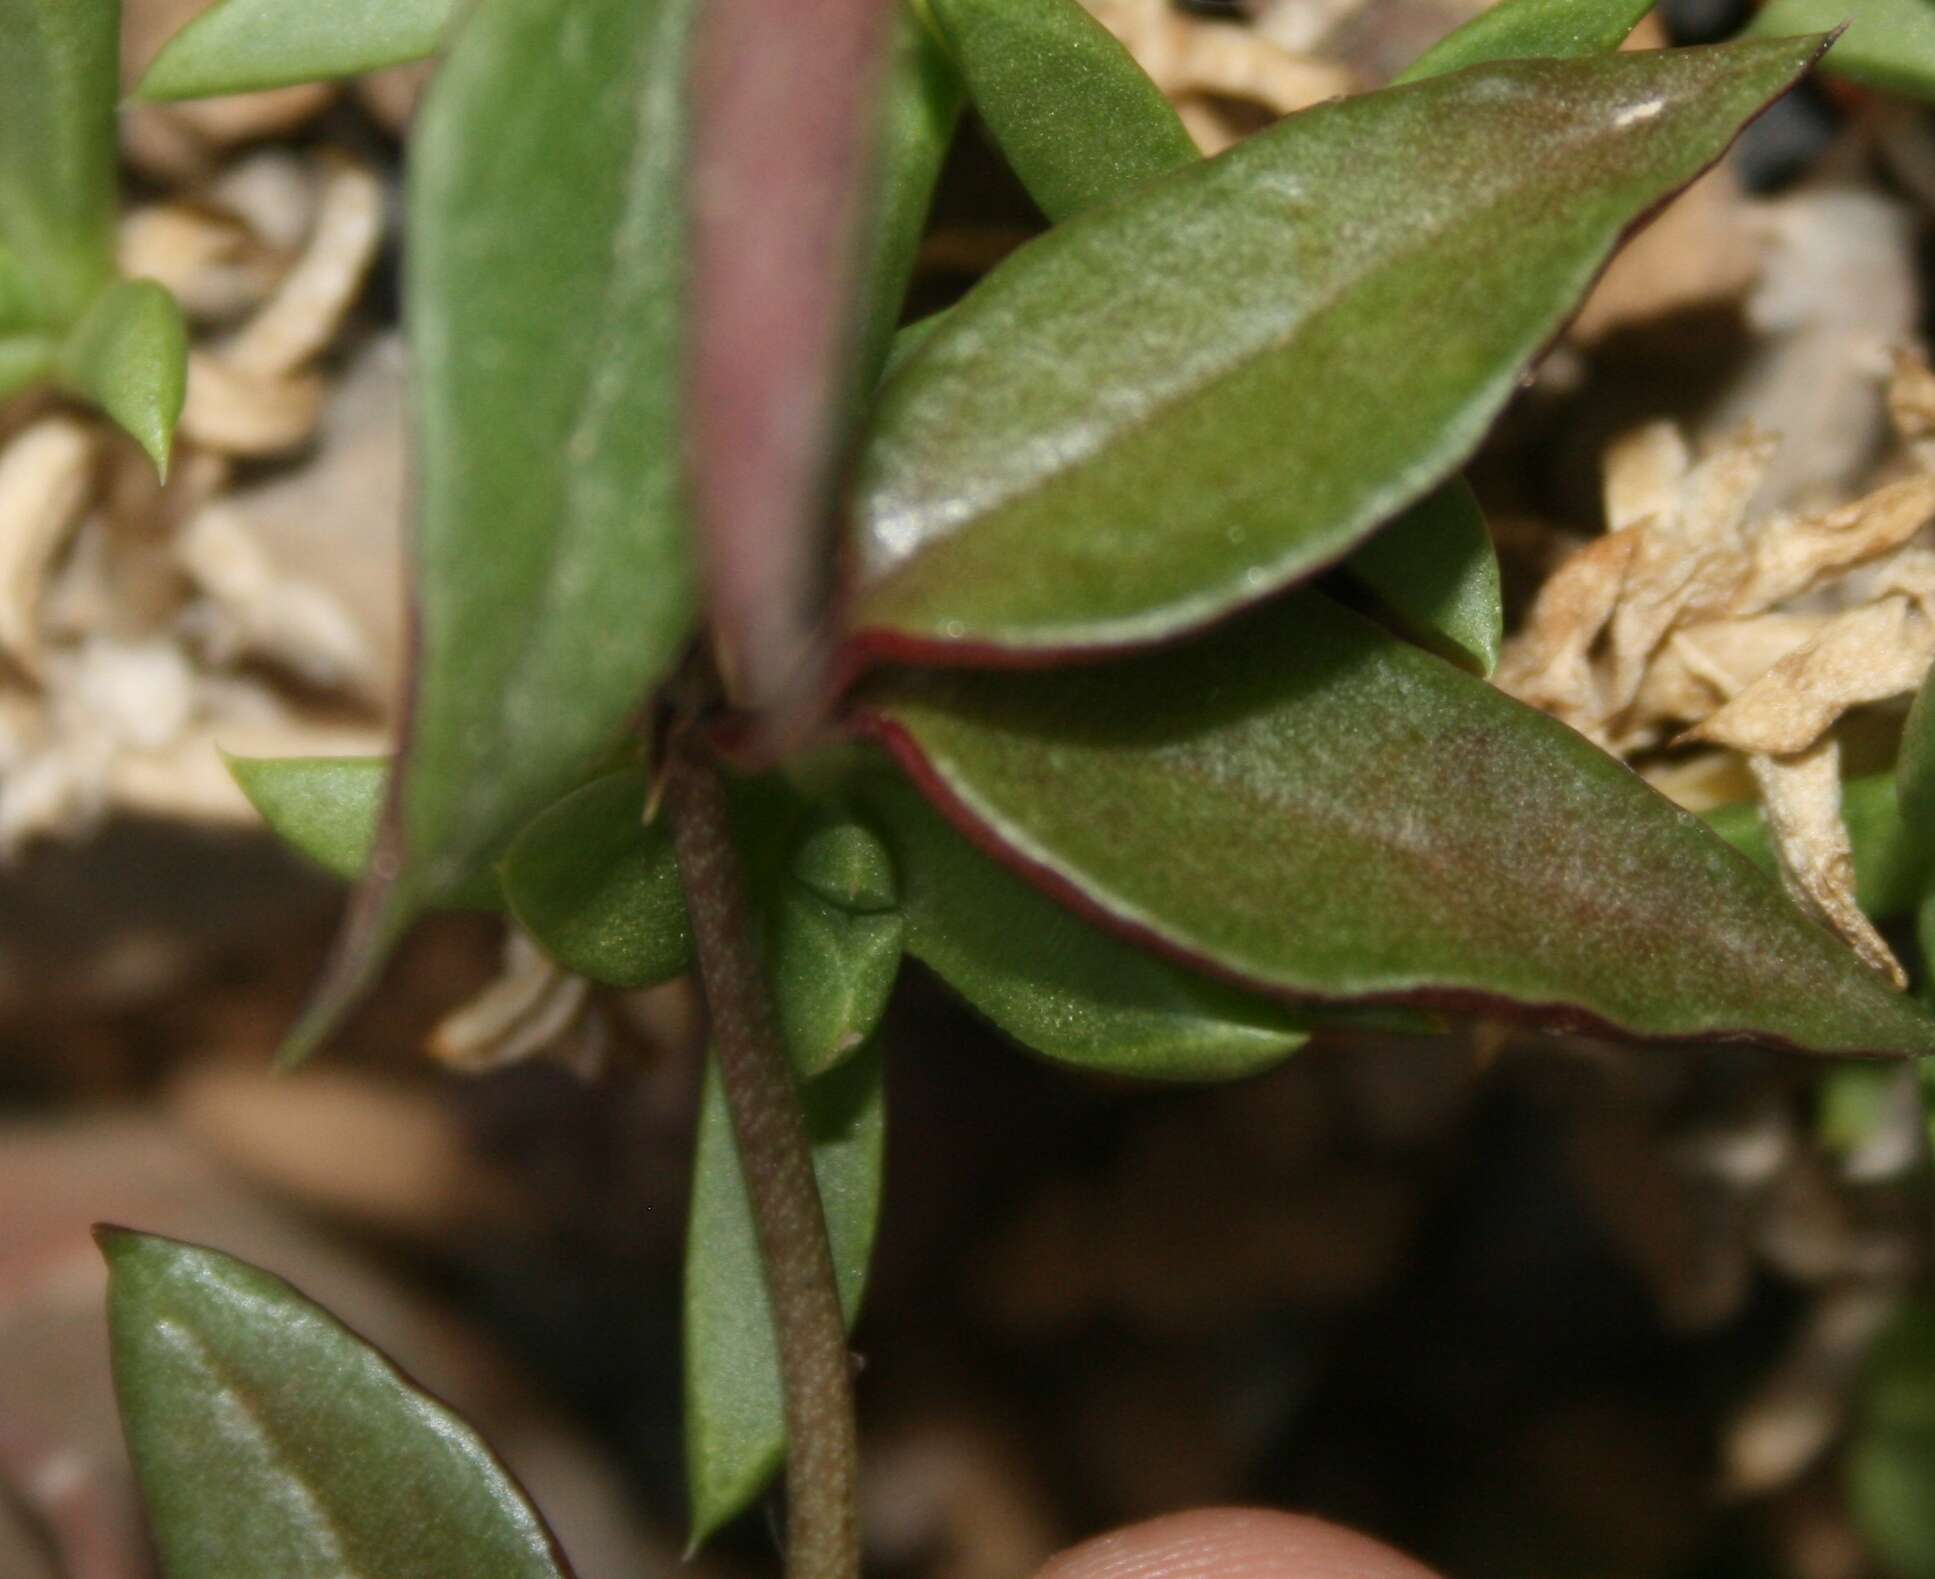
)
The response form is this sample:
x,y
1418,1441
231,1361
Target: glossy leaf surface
x,y
1068,461
58,190
1889,43
237,46
1052,981
327,808
1077,119
785,157
544,289
270,1439
1523,29
1082,124
735,1427
1891,863
1434,572
1306,803
553,581
598,887
129,356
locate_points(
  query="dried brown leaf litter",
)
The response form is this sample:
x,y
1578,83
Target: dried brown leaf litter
x,y
1700,619
142,626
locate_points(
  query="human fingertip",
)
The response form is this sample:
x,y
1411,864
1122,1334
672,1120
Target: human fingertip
x,y
1233,1543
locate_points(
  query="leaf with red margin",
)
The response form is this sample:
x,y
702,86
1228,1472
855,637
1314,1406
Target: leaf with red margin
x,y
785,120
270,1439
1303,803
1067,463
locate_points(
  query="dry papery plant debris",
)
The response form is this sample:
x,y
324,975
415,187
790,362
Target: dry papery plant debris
x,y
252,602
1698,620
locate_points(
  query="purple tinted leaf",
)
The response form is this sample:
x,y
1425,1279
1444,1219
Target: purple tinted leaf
x,y
785,126
1311,806
1070,461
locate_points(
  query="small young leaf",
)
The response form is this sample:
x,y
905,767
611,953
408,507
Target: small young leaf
x,y
847,865
1434,572
1303,802
1078,120
58,64
1889,43
598,888
785,163
237,46
270,1439
1068,462
597,885
554,590
1891,860
735,1425
129,356
834,939
1523,29
327,809
833,972
1053,982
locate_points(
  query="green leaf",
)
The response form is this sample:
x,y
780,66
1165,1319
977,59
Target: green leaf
x,y
1070,460
327,809
1434,568
1891,865
1521,29
269,1439
735,1427
1053,982
923,104
129,356
58,65
543,288
598,887
554,586
1433,571
1915,765
25,359
1082,124
849,866
238,46
1889,43
1078,120
835,936
18,307
1891,1459
1306,803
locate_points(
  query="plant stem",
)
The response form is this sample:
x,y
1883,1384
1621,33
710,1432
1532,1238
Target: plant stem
x,y
823,1456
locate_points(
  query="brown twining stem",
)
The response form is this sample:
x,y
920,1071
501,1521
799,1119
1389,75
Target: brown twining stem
x,y
823,1454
